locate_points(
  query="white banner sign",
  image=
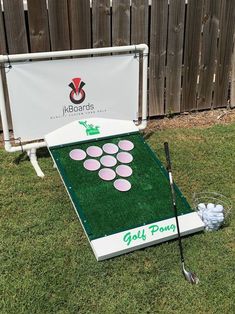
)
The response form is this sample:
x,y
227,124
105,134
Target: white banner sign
x,y
45,95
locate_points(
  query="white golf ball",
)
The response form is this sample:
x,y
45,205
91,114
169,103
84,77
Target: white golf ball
x,y
218,208
205,215
212,215
219,215
220,220
201,206
205,220
210,206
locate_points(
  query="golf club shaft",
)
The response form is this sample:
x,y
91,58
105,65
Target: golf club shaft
x,y
168,159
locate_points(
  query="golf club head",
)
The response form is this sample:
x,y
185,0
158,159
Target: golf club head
x,y
190,276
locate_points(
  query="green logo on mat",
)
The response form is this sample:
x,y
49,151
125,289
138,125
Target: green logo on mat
x,y
148,232
90,128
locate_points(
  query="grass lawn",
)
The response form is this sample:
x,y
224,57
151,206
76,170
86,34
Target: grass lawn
x,y
47,265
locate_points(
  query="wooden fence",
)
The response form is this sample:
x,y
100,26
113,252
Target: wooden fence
x,y
191,62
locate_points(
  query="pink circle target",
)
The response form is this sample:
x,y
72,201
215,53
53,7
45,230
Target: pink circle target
x,y
77,154
110,148
124,157
124,171
91,164
122,185
125,145
107,174
94,151
108,161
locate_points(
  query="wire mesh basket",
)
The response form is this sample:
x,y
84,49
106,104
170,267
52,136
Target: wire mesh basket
x,y
214,198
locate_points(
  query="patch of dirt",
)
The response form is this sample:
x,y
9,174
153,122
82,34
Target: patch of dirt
x,y
202,119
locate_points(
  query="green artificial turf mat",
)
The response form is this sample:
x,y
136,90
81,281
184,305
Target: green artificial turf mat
x,y
102,209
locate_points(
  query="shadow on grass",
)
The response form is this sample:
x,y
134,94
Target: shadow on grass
x,y
41,153
147,135
22,157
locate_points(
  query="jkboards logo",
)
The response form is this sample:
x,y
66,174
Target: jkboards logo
x,y
77,96
76,101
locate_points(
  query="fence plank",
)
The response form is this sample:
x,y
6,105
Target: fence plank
x,y
174,55
3,48
232,100
225,53
38,26
139,21
9,119
101,23
159,11
80,24
15,26
121,22
58,23
16,37
208,53
139,33
191,54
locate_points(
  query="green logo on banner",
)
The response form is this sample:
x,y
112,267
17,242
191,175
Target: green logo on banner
x,y
90,128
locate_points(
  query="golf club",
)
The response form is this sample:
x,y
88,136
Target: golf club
x,y
189,276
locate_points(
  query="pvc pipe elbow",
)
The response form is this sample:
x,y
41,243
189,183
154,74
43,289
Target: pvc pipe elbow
x,y
144,47
8,147
142,125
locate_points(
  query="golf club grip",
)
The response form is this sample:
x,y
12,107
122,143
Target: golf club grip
x,y
168,159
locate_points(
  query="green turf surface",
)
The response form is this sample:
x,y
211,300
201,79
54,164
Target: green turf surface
x,y
47,264
105,210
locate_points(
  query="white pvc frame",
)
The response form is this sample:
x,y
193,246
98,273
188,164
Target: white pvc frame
x,y
32,147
